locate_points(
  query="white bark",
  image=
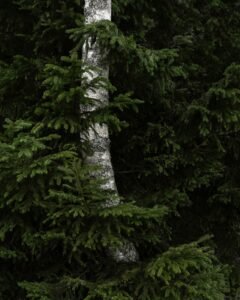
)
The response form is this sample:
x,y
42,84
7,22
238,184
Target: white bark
x,y
98,135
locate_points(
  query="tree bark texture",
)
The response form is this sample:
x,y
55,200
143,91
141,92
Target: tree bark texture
x,y
97,134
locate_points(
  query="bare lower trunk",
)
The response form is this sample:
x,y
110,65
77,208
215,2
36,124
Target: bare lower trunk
x,y
98,136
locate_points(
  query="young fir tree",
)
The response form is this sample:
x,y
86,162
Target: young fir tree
x,y
55,228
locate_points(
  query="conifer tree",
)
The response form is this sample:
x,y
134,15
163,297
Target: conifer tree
x,y
176,166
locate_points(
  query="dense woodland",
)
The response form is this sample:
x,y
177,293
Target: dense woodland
x,y
174,116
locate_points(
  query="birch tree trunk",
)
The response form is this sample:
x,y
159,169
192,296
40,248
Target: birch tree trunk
x,y
98,135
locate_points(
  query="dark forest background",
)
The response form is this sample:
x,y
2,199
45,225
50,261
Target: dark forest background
x,y
174,116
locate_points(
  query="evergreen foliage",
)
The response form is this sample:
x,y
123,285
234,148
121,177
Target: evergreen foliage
x,y
174,116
